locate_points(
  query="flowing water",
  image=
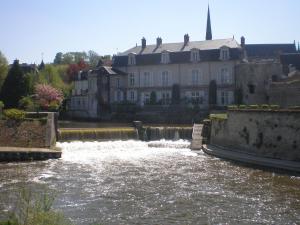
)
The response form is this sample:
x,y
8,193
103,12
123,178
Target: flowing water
x,y
158,182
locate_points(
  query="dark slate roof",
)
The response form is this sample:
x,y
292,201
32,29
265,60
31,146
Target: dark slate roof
x,y
269,50
107,70
179,53
291,59
180,47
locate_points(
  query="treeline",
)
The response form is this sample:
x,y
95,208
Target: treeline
x,y
35,87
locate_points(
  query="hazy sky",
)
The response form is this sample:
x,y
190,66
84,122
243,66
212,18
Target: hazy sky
x,y
30,27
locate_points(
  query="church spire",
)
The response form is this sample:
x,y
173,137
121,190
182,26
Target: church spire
x,y
208,27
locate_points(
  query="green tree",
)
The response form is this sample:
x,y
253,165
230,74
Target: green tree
x,y
212,90
58,58
14,87
153,98
175,94
3,69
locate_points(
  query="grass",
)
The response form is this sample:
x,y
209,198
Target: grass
x,y
219,116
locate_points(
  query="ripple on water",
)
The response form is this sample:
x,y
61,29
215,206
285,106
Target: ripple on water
x,y
158,182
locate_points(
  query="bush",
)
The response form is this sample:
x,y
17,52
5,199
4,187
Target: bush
x,y
27,104
1,105
253,106
242,106
274,106
14,114
232,107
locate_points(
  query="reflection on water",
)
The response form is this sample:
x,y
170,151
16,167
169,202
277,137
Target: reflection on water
x,y
161,182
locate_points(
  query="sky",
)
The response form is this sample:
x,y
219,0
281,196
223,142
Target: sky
x,y
32,28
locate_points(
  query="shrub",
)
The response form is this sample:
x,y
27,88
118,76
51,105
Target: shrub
x,y
253,107
27,104
264,106
1,105
14,114
232,107
242,106
274,106
46,95
220,116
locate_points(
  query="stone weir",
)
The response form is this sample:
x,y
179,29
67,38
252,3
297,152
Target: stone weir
x,y
97,134
32,138
150,132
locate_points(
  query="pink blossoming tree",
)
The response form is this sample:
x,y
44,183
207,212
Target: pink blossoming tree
x,y
48,97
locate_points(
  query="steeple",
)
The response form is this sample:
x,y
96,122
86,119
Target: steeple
x,y
208,27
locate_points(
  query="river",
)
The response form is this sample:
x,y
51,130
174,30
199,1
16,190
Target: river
x,y
159,182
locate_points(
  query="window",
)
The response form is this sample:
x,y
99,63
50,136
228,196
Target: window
x,y
131,80
165,98
131,59
197,98
195,56
118,83
119,96
225,77
146,79
225,97
146,98
224,53
132,98
195,77
165,78
165,57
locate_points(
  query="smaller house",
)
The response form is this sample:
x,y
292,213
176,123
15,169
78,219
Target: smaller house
x,y
95,90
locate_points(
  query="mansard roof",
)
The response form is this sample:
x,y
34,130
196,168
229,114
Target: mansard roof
x,y
181,47
179,53
269,50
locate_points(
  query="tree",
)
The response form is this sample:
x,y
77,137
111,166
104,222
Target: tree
x,y
175,94
153,98
14,86
3,69
48,96
73,69
94,58
212,90
58,58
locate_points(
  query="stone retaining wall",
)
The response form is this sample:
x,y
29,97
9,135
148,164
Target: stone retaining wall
x,y
33,133
273,134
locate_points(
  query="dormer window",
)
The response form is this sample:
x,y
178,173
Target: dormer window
x,y
195,56
131,59
165,57
224,53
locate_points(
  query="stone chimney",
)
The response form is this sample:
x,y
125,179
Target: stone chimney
x,y
143,43
243,42
186,39
158,42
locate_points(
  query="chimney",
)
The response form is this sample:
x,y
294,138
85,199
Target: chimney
x,y
243,42
158,41
186,39
143,43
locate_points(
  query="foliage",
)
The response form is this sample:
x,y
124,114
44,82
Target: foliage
x,y
27,104
73,69
58,58
220,116
14,86
3,69
153,98
1,105
212,90
176,94
258,107
48,96
35,208
14,114
238,96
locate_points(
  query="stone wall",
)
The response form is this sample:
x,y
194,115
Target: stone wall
x,y
272,134
34,133
258,75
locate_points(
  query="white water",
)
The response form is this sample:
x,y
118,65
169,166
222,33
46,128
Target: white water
x,y
157,182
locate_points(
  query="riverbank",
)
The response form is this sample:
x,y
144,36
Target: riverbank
x,y
235,155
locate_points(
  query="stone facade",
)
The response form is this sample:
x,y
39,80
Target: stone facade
x,y
254,80
271,134
37,133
